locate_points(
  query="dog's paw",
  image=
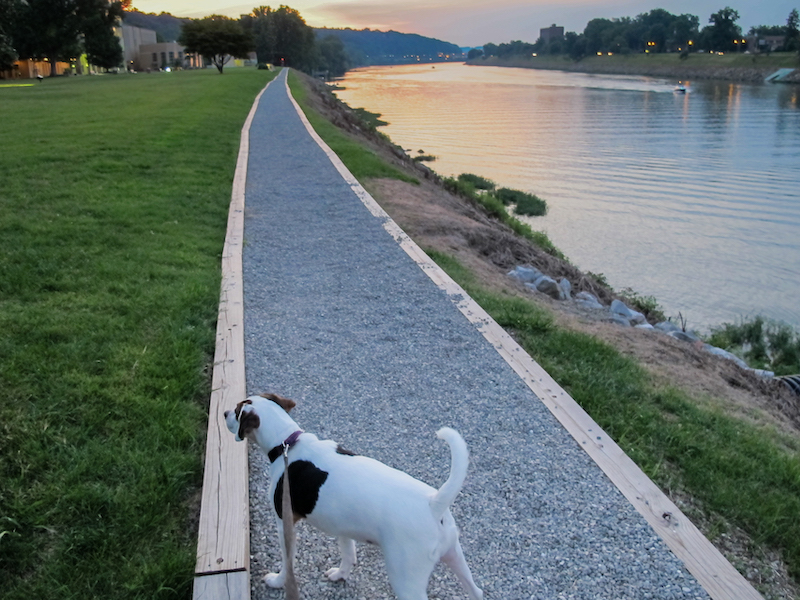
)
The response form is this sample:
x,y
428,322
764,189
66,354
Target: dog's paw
x,y
337,574
275,580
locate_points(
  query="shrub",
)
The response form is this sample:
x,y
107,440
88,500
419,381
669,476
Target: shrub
x,y
648,305
370,119
464,186
763,343
526,204
480,183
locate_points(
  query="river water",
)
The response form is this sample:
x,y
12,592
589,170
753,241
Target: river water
x,y
692,198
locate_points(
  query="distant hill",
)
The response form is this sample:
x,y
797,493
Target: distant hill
x,y
364,47
370,47
167,27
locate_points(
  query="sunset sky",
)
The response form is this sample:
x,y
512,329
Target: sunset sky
x,y
476,22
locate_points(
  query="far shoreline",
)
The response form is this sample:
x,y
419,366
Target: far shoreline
x,y
740,68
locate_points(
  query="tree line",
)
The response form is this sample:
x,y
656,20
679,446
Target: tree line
x,y
655,31
60,30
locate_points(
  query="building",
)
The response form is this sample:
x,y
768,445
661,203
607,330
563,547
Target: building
x,y
554,32
765,43
143,52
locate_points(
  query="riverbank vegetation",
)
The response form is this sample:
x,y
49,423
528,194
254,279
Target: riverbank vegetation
x,y
111,230
714,438
762,343
523,203
481,191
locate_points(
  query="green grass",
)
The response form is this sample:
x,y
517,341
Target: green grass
x,y
360,161
747,475
113,207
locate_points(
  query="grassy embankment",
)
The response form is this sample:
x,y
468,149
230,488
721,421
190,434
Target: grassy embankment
x,y
736,472
113,210
702,65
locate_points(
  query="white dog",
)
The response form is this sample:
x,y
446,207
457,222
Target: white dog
x,y
359,499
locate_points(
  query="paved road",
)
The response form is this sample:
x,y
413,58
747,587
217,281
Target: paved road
x,y
340,319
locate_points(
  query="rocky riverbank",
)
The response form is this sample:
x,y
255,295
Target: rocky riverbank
x,y
619,313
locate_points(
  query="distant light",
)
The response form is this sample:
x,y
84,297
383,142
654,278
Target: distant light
x,y
611,54
599,54
534,54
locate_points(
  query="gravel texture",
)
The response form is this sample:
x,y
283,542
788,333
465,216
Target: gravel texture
x,y
338,318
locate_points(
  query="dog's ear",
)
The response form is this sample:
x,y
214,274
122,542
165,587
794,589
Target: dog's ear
x,y
248,422
238,409
284,403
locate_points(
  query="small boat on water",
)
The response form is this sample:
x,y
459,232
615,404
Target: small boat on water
x,y
680,88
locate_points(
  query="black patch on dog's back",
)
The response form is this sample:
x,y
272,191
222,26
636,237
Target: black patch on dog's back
x,y
340,450
305,479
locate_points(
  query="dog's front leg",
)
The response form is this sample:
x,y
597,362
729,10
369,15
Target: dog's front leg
x,y
277,580
347,548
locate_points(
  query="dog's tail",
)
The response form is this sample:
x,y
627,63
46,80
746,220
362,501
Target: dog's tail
x,y
459,457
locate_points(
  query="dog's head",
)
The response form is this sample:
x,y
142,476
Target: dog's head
x,y
244,420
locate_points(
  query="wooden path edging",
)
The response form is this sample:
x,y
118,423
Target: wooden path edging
x,y
702,559
223,545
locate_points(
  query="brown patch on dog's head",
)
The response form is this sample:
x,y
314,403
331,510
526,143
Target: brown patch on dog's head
x,y
248,422
238,409
284,403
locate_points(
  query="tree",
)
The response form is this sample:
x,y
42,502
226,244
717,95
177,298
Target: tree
x,y
575,45
723,35
60,30
490,49
792,40
9,11
99,17
48,30
685,30
604,35
333,57
282,37
218,38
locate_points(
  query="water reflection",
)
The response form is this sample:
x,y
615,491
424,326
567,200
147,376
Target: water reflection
x,y
689,197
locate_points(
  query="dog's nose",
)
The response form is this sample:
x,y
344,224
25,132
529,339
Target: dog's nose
x,y
225,414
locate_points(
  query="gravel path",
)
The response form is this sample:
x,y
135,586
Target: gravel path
x,y
340,319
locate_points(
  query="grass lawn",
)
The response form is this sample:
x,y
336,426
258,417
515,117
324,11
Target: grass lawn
x,y
113,207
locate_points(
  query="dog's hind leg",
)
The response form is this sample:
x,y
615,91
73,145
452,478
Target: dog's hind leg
x,y
409,570
347,548
454,558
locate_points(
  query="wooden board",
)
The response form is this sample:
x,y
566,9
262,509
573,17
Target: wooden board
x,y
223,545
719,578
227,586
